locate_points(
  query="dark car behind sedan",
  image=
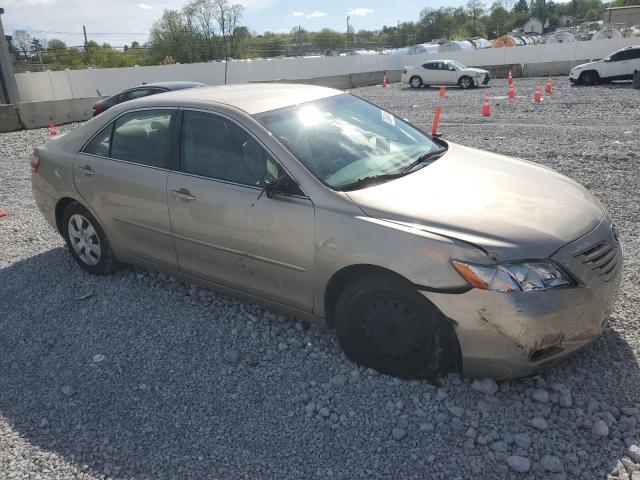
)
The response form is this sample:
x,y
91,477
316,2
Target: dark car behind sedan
x,y
140,91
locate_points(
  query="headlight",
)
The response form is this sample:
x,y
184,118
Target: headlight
x,y
514,276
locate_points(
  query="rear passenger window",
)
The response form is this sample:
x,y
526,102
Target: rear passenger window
x,y
142,137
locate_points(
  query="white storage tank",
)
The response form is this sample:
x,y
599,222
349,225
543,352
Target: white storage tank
x,y
607,33
457,46
481,43
424,48
561,36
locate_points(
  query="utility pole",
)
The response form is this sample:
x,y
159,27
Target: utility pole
x,y
348,33
86,47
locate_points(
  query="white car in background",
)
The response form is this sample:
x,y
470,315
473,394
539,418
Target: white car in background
x,y
619,65
444,72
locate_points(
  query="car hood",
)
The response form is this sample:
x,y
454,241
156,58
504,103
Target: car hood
x,y
475,70
510,208
582,65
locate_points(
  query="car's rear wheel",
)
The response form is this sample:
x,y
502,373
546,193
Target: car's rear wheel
x,y
415,82
382,322
465,82
589,78
86,240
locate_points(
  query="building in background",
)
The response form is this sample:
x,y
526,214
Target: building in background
x,y
529,25
623,16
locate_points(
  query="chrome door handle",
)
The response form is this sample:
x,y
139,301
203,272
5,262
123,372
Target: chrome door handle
x,y
182,194
87,170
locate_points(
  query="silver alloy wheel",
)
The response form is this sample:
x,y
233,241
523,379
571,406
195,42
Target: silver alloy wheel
x,y
415,82
84,239
466,82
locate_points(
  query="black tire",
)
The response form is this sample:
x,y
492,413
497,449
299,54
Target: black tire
x,y
415,82
105,261
589,77
465,82
383,323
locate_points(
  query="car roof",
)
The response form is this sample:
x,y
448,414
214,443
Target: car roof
x,y
253,98
171,85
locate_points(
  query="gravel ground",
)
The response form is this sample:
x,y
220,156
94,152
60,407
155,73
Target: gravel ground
x,y
139,375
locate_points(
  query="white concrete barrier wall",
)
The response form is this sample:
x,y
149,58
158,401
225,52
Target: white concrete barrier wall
x,y
44,86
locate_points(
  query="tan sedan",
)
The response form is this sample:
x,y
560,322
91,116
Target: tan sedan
x,y
425,256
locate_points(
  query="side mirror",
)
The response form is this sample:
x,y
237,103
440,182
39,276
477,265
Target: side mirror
x,y
273,186
607,60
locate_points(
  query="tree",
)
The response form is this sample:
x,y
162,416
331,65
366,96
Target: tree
x,y
60,56
172,35
327,40
475,9
199,14
228,17
497,21
22,43
521,6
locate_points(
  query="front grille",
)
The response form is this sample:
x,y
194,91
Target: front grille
x,y
602,258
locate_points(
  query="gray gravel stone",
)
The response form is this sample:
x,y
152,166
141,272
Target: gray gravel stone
x,y
540,395
487,386
539,423
551,464
232,357
398,433
523,440
68,390
600,428
519,464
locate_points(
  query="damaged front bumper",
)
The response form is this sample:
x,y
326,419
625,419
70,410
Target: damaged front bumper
x,y
514,334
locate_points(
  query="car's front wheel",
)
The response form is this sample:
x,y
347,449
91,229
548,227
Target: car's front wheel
x,y
589,78
86,240
383,323
465,82
415,82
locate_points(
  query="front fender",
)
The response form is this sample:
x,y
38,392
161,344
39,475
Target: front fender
x,y
423,258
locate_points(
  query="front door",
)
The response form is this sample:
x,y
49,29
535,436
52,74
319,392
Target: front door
x,y
618,65
222,231
122,175
436,73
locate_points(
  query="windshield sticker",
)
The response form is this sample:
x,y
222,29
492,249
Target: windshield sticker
x,y
387,117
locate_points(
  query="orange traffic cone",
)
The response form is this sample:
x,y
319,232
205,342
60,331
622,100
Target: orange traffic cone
x,y
3,213
443,91
385,82
510,78
436,120
537,96
52,129
512,92
486,107
547,89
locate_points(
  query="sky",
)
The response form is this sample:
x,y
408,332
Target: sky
x,y
120,22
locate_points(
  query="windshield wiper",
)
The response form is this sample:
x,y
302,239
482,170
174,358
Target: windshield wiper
x,y
423,159
371,179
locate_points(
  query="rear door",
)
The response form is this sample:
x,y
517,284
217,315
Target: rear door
x,y
121,174
224,230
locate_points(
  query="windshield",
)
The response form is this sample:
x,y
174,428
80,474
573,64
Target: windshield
x,y
457,64
343,139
